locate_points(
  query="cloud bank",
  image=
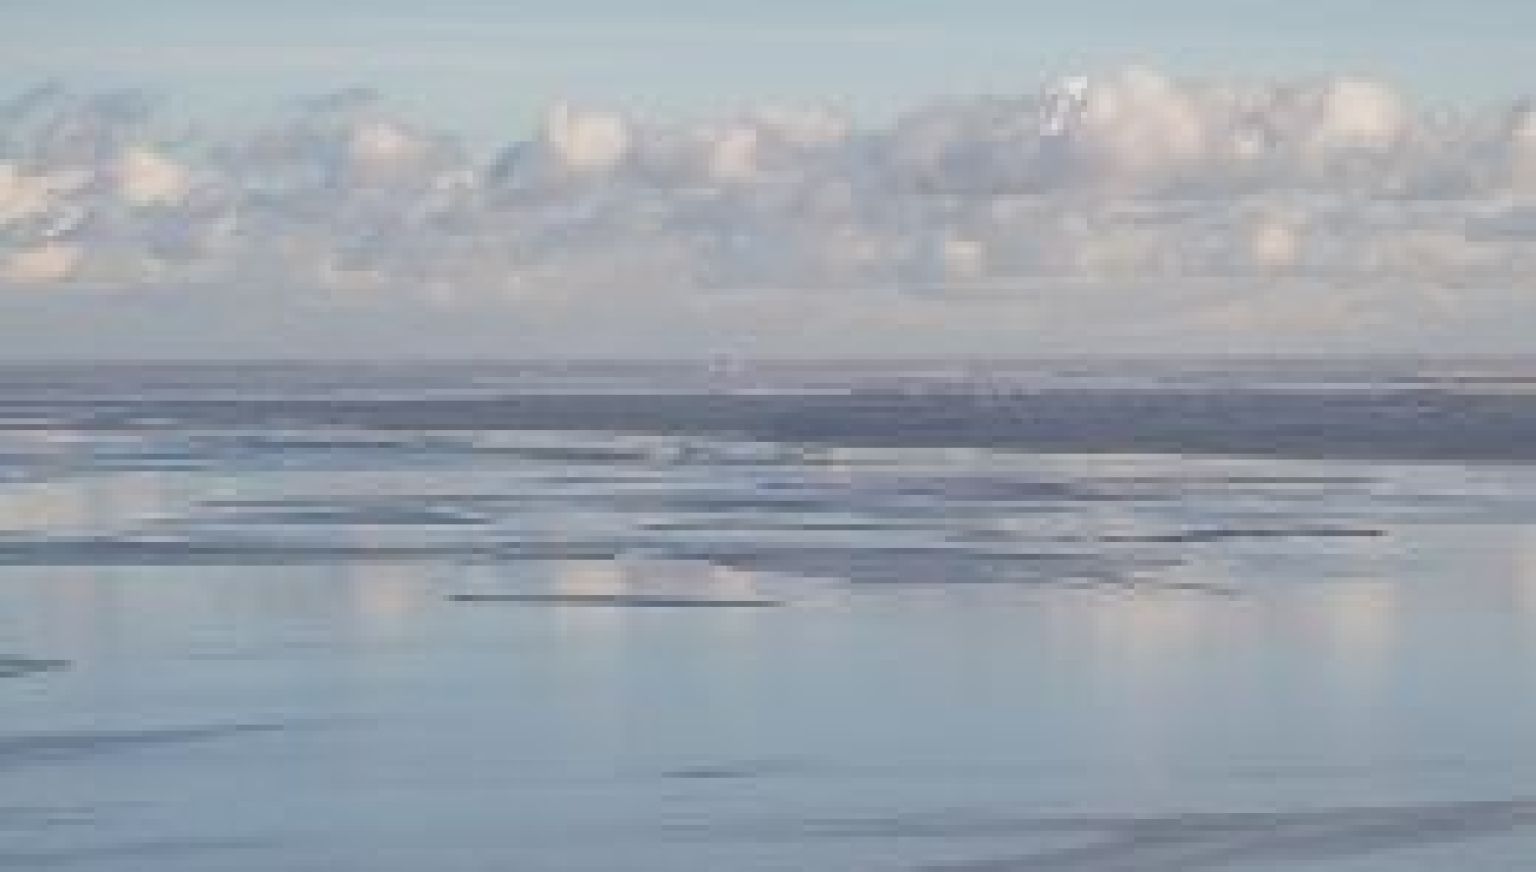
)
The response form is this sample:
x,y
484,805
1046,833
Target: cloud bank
x,y
1303,195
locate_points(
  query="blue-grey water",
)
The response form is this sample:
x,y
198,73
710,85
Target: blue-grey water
x,y
989,616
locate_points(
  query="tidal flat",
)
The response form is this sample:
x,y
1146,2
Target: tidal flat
x,y
898,616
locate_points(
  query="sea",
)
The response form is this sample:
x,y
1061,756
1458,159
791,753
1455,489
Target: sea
x,y
739,616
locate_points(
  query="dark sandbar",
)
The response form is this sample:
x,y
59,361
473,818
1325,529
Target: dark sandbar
x,y
621,600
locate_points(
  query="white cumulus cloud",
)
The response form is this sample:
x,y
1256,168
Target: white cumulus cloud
x,y
40,264
1063,198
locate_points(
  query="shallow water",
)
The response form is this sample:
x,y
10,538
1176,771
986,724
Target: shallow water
x,y
283,644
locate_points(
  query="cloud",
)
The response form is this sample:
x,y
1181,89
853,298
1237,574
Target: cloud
x,y
146,178
41,264
1088,191
585,142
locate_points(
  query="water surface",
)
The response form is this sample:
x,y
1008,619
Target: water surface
x,y
243,630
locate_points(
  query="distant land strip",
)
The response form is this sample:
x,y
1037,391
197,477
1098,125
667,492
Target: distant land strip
x,y
1398,424
616,600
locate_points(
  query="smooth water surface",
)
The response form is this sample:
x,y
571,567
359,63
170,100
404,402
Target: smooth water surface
x,y
282,644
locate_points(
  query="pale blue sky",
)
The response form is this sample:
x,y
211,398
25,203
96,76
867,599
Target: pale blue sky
x,y
487,67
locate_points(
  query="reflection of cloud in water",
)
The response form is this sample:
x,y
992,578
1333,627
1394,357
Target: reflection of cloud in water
x,y
46,506
639,581
591,578
387,596
1525,573
1148,643
656,577
1358,623
1148,633
728,581
1524,580
98,503
580,578
76,613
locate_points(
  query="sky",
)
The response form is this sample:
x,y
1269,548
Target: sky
x,y
868,176
489,67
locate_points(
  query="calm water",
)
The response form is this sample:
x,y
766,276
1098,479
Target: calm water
x,y
238,632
